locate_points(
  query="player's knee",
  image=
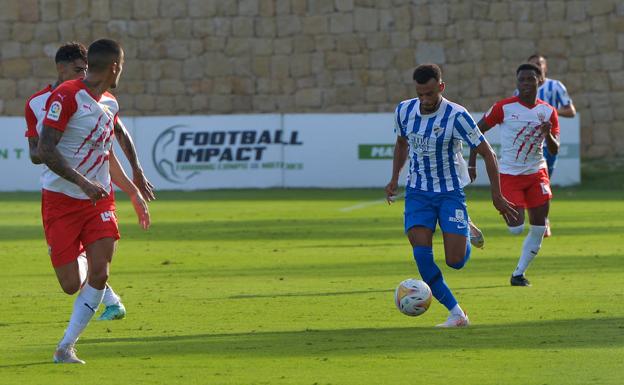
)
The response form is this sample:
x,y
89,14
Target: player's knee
x,y
456,262
98,278
70,287
456,259
516,230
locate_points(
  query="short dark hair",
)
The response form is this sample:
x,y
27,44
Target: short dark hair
x,y
69,52
424,72
536,56
529,67
102,53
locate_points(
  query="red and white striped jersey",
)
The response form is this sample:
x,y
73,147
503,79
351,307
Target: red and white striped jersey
x,y
35,110
87,125
521,138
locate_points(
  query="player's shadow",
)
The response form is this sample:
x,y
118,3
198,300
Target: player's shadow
x,y
26,365
546,334
347,292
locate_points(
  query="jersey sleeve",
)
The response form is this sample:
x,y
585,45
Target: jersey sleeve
x,y
554,120
466,129
562,98
60,107
31,122
399,128
494,115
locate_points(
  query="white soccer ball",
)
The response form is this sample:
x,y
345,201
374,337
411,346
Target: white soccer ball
x,y
412,297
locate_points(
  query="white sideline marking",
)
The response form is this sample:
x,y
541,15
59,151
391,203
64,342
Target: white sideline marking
x,y
367,204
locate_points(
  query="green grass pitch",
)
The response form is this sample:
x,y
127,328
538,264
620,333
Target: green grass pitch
x,y
285,287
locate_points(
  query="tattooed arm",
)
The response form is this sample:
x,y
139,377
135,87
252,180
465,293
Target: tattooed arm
x,y
50,155
127,145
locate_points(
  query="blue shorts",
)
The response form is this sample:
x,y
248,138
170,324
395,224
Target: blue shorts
x,y
424,208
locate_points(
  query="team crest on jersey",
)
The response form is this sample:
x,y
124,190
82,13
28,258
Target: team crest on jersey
x,y
54,113
541,116
438,130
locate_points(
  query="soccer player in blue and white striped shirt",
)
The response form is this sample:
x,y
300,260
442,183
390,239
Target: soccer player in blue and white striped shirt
x,y
430,130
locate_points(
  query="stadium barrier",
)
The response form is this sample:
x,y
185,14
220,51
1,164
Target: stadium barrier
x,y
261,151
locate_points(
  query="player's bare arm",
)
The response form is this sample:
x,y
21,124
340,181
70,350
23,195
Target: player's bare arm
x,y
568,111
472,160
138,177
50,155
119,177
552,141
33,150
400,156
503,206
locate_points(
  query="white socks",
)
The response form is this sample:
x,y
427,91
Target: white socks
x,y
83,268
85,306
457,311
110,298
530,248
516,230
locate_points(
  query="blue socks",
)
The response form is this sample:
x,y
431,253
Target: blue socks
x,y
461,264
431,274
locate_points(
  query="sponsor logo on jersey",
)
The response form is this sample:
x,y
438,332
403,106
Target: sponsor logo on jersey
x,y
459,218
419,143
54,113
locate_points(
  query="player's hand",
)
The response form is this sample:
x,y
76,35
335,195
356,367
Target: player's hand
x,y
545,127
93,190
146,188
472,173
140,207
391,191
505,208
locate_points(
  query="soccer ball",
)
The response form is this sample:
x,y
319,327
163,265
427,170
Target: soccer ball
x,y
412,297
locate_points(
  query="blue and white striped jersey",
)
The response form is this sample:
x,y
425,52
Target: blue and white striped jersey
x,y
553,92
436,163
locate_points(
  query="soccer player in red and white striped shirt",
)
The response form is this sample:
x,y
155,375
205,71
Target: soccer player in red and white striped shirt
x,y
71,63
526,123
78,204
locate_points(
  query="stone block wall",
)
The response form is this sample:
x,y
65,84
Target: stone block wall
x,y
257,56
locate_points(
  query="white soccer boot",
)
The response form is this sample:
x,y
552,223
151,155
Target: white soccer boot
x,y
455,321
66,354
476,236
